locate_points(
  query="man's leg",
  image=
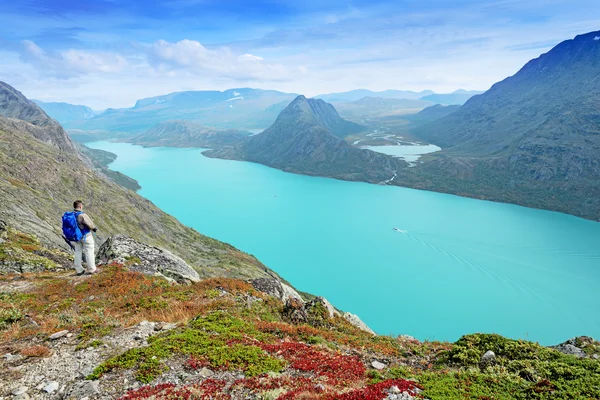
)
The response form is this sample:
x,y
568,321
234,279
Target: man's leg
x,y
90,257
78,256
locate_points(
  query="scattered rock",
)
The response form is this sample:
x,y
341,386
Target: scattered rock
x,y
378,365
82,389
276,289
574,346
294,312
12,357
58,335
50,387
487,360
69,335
164,326
394,390
357,322
325,303
205,372
19,391
146,259
319,388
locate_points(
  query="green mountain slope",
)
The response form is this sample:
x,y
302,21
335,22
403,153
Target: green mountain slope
x,y
187,134
303,140
532,139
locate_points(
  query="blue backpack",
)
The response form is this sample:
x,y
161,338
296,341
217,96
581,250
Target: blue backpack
x,y
70,227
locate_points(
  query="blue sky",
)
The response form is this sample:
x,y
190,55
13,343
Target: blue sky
x,y
108,53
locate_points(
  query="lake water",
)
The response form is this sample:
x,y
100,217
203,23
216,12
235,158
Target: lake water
x,y
462,266
409,153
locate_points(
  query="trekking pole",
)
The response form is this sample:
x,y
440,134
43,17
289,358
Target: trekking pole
x,y
69,243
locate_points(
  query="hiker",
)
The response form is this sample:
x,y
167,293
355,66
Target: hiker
x,y
77,229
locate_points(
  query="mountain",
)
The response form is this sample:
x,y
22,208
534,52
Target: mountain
x,y
22,114
65,112
42,173
305,139
536,134
187,134
354,95
234,108
431,113
458,97
375,107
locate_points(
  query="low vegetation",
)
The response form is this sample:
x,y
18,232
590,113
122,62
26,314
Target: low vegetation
x,y
256,350
225,325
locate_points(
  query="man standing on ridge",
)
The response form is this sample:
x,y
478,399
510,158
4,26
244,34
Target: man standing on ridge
x,y
78,228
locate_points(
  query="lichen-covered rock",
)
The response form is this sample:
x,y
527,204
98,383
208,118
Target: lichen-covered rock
x,y
146,259
294,312
276,289
357,322
323,302
576,346
487,360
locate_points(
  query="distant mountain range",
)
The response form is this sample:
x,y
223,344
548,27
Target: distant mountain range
x,y
354,95
235,108
458,97
65,112
306,138
532,139
241,108
187,134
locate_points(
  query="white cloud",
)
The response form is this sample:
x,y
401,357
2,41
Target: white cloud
x,y
71,62
192,56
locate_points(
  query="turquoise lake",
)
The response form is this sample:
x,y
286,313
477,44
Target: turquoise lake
x,y
462,266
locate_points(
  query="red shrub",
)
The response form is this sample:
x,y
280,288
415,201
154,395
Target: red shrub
x,y
338,368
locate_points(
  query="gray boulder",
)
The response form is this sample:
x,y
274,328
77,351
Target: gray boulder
x,y
146,259
487,360
82,389
574,346
276,289
357,322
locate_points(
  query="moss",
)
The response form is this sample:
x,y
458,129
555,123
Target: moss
x,y
9,316
195,341
526,367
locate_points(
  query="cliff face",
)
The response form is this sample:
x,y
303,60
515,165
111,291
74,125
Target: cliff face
x,y
22,114
305,139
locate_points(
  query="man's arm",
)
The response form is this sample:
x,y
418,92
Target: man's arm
x,y
87,221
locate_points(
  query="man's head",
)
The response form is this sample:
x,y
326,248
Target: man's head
x,y
78,205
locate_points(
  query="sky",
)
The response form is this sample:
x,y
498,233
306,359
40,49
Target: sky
x,y
109,53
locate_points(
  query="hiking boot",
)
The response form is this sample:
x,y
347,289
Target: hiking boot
x,y
80,273
94,272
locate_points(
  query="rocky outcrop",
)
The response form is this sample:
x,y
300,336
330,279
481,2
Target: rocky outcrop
x,y
357,322
325,304
276,289
146,259
581,346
